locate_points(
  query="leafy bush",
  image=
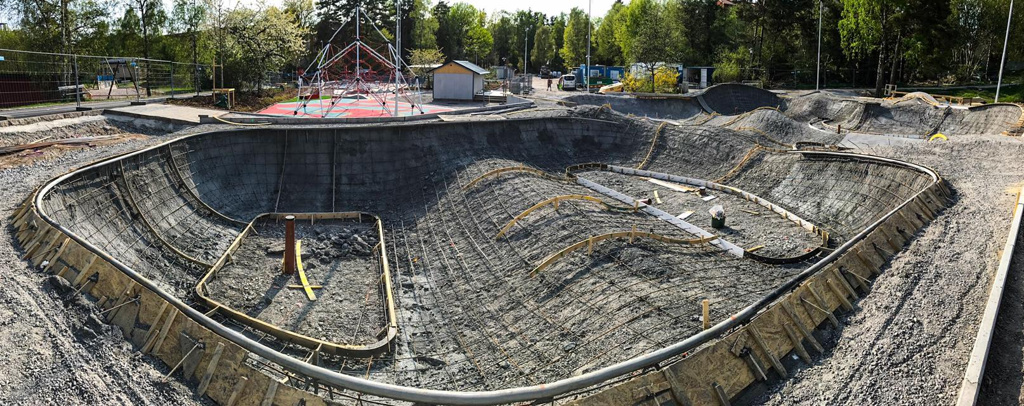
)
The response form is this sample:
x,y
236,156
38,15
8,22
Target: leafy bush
x,y
665,80
730,65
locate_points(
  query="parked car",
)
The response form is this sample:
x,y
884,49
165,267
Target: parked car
x,y
567,82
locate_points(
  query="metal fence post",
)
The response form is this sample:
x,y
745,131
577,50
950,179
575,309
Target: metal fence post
x,y
78,90
172,80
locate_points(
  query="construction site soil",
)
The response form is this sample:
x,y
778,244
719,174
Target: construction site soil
x,y
479,305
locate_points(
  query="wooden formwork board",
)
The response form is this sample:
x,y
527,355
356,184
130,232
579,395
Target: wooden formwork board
x,y
147,315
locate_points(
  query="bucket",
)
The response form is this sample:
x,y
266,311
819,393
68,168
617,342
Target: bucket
x,y
717,222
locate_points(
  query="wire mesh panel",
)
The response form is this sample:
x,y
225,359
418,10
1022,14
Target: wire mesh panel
x,y
37,78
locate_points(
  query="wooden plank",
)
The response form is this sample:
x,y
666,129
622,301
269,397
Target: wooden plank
x,y
237,390
706,313
822,305
163,332
752,330
839,294
268,399
723,399
60,251
210,369
788,308
843,283
798,345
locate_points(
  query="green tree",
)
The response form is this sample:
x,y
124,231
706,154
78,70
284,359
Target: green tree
x,y
424,26
558,28
127,34
543,46
865,29
260,42
339,14
608,51
526,24
422,60
503,32
642,32
455,23
188,17
57,25
574,48
478,43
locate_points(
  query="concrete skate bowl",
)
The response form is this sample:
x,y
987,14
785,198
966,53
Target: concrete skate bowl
x,y
733,98
672,108
506,261
726,99
910,117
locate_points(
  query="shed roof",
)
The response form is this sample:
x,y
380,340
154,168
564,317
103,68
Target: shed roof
x,y
470,66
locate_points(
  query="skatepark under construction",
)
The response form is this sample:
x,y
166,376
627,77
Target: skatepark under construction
x,y
563,254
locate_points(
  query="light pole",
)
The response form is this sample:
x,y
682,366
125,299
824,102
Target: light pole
x,y
817,78
526,49
1002,60
590,6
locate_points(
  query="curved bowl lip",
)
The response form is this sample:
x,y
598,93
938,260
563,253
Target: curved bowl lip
x,y
509,395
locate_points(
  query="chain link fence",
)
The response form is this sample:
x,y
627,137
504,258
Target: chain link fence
x,y
38,78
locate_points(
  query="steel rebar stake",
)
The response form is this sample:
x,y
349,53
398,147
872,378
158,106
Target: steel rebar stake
x,y
289,245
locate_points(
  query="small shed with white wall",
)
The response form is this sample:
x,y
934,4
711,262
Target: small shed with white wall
x,y
458,80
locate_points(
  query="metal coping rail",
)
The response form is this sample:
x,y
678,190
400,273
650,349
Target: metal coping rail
x,y
510,395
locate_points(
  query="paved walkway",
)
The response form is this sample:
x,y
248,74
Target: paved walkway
x,y
167,112
70,107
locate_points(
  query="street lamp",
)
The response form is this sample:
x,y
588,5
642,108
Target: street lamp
x,y
1002,60
526,49
590,6
817,78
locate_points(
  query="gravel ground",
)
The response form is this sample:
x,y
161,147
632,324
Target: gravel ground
x,y
55,349
908,341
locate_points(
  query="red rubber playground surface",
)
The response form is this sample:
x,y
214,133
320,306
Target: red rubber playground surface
x,y
349,108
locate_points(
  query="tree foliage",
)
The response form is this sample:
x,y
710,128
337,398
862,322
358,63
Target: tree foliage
x,y
261,41
609,52
543,46
574,46
642,33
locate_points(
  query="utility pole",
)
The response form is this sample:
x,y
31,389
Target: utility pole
x,y
1002,60
817,78
398,49
590,6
